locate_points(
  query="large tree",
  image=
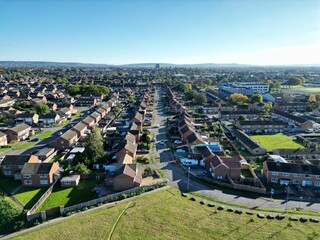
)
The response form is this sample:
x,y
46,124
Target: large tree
x,y
238,98
93,147
42,109
256,98
200,99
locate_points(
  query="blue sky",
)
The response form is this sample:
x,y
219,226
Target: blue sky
x,y
173,31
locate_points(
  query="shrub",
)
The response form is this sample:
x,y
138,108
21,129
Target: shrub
x,y
192,199
202,202
147,172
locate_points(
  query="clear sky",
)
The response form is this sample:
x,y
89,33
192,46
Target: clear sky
x,y
161,31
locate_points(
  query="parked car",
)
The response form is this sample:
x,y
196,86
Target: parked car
x,y
162,142
60,133
177,142
34,140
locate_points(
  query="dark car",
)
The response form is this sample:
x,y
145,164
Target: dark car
x,y
34,140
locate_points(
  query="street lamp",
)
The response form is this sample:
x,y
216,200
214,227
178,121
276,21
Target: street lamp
x,y
271,193
287,197
188,179
300,202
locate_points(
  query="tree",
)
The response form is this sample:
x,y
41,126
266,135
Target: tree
x,y
276,85
268,106
242,118
93,146
190,95
41,109
238,98
81,168
200,99
295,81
312,98
256,98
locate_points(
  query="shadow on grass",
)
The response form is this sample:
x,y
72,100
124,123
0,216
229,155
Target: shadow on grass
x,y
34,198
82,193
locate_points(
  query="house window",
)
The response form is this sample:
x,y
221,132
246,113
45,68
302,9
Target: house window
x,y
67,183
20,166
295,181
275,173
307,176
26,175
6,167
274,180
43,175
318,177
43,182
297,174
317,184
27,182
285,174
7,173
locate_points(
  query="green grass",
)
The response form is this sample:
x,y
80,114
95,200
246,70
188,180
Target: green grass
x,y
70,196
162,174
9,184
246,173
272,141
27,144
56,158
168,215
28,196
301,89
154,159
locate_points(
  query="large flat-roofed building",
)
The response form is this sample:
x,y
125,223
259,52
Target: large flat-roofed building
x,y
246,88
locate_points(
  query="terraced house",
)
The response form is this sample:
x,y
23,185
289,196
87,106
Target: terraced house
x,y
305,175
261,126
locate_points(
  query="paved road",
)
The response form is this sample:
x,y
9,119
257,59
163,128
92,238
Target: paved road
x,y
178,177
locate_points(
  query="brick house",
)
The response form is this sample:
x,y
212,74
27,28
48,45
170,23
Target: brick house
x,y
65,141
19,132
80,128
126,147
12,165
126,177
305,175
89,121
262,126
293,120
38,174
234,115
28,118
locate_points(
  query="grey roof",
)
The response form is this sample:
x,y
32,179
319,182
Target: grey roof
x,y
241,112
19,128
15,159
298,151
246,139
293,168
290,116
36,168
261,122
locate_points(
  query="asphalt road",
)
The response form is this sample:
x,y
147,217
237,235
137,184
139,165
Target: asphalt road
x,y
178,177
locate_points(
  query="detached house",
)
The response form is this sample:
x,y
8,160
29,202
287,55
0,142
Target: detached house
x,y
12,165
18,133
38,174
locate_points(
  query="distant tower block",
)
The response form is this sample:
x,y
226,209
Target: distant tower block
x,y
157,66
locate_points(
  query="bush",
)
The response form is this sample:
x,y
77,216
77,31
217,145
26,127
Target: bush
x,y
147,172
142,159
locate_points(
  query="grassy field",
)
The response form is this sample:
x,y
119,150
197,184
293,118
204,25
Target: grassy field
x,y
70,196
272,141
27,144
28,196
168,215
301,89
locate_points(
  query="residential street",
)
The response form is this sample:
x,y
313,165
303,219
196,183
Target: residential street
x,y
178,177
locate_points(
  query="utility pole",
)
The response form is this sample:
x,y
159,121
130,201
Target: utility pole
x,y
188,179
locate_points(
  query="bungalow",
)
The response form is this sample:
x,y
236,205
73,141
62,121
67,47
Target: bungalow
x,y
19,132
13,164
249,144
261,126
293,120
126,177
65,141
28,118
38,174
3,139
305,175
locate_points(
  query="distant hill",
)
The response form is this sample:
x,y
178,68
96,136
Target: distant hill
x,y
136,65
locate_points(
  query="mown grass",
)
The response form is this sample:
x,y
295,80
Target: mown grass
x,y
28,196
168,215
70,196
26,144
273,141
161,172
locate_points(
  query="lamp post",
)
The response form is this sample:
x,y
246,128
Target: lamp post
x,y
287,197
271,193
300,202
188,179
